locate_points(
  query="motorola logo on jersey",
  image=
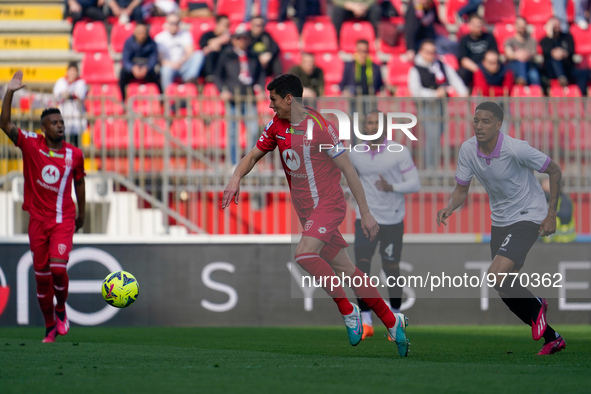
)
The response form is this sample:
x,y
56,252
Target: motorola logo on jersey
x,y
291,159
50,174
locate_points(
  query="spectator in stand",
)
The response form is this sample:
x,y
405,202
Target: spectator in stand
x,y
312,77
356,9
520,51
239,72
160,7
422,22
70,92
493,79
558,49
263,8
139,59
581,6
199,9
361,76
472,48
213,43
177,53
431,78
126,10
263,45
78,9
469,9
303,9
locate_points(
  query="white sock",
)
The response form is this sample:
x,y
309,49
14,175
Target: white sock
x,y
395,310
366,318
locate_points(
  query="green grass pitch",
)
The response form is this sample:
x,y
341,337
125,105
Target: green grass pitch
x,y
290,360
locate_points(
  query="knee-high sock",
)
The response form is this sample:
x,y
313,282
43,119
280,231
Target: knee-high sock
x,y
45,296
60,284
372,298
318,268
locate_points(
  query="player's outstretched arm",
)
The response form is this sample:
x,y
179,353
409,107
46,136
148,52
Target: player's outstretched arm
x,y
457,198
232,190
16,83
80,189
548,225
369,225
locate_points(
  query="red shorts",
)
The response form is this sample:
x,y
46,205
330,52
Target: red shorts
x,y
323,224
50,240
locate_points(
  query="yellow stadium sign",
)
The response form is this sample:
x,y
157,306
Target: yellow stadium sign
x,y
9,12
12,42
42,73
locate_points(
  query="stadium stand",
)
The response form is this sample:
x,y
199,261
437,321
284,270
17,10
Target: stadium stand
x,y
499,11
535,11
90,37
352,31
319,36
285,35
119,33
98,67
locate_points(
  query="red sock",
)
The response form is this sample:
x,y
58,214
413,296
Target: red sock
x,y
372,298
60,284
45,296
316,267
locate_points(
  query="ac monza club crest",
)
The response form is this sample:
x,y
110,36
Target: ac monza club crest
x,y
68,162
4,292
61,248
308,225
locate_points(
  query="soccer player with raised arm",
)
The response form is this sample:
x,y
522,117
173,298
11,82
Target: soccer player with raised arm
x,y
314,176
505,167
49,166
387,172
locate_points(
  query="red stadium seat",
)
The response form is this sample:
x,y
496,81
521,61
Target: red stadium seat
x,y
351,32
400,44
157,25
183,95
273,7
527,91
502,32
332,66
191,132
98,68
499,11
144,98
233,9
290,59
199,26
104,99
398,68
285,35
110,133
536,11
89,37
582,40
319,36
451,60
119,34
149,134
212,104
452,7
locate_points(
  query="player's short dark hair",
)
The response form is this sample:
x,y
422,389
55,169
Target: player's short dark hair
x,y
496,110
285,84
49,111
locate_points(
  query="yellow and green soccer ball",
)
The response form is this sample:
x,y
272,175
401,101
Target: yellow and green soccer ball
x,y
120,289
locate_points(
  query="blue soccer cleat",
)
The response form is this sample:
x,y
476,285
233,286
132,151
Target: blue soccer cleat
x,y
398,334
354,326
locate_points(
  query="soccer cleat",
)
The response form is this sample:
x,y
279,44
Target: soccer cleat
x,y
63,326
367,331
538,327
398,334
354,327
553,347
50,336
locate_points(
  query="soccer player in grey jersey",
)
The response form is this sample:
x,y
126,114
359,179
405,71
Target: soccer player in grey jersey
x,y
519,211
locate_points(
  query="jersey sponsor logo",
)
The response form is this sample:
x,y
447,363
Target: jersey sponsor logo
x,y
61,248
291,159
308,225
29,134
291,130
50,174
68,162
280,137
269,125
333,134
321,230
46,186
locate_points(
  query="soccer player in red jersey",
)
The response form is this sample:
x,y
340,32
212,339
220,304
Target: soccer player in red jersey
x,y
50,165
313,169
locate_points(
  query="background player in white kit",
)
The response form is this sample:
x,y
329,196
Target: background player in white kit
x,y
519,210
386,175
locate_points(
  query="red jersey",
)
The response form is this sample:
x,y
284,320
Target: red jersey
x,y
48,177
313,178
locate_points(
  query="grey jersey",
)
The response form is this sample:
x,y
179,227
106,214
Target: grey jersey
x,y
507,174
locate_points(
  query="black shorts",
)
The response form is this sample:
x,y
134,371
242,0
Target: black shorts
x,y
389,237
514,241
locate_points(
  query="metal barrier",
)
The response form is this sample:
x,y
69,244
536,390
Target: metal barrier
x,y
159,165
